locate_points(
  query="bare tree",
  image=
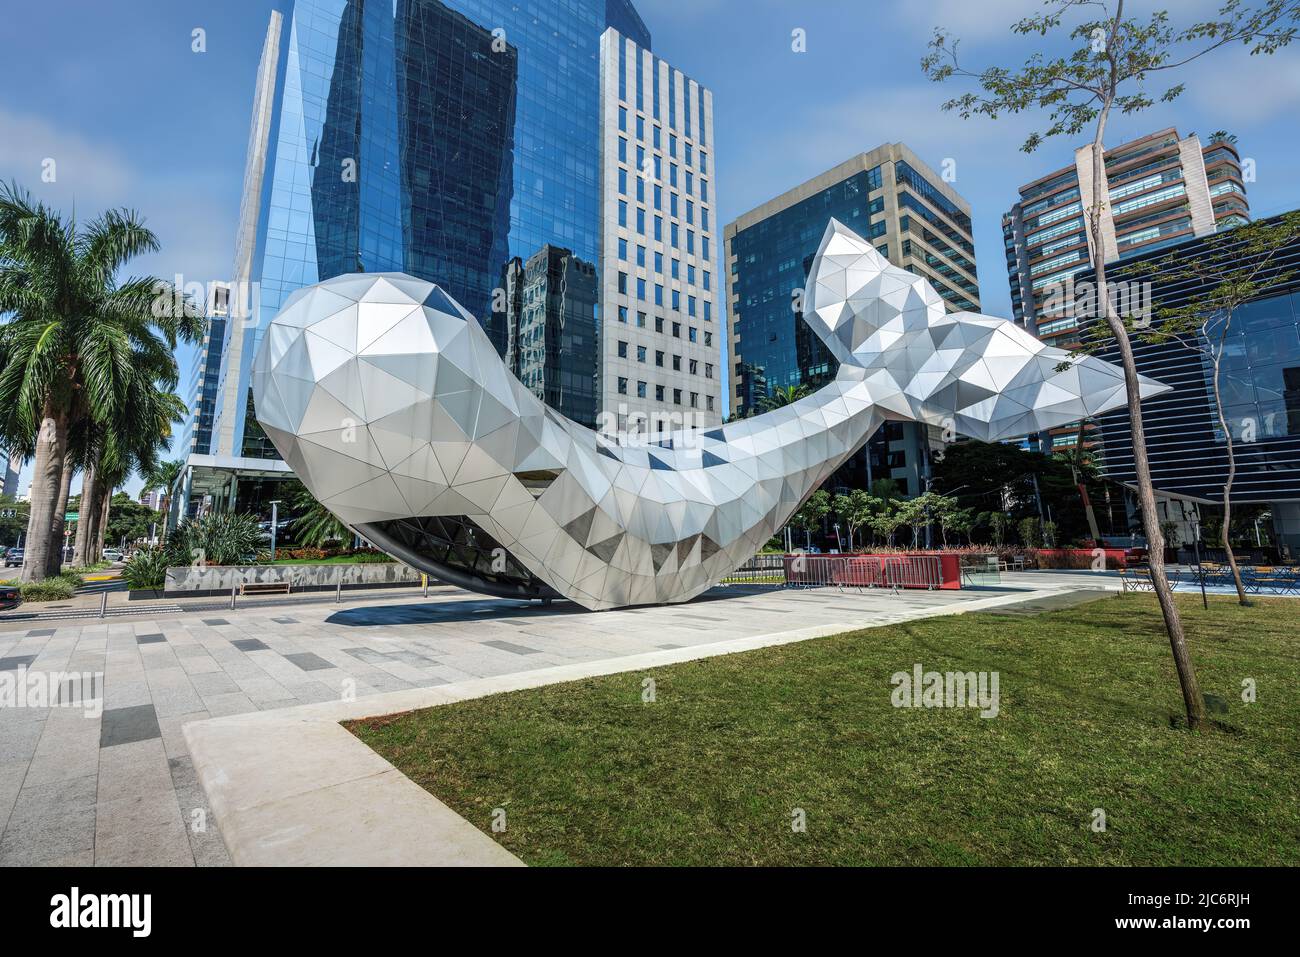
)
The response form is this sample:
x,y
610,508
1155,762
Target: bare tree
x,y
1114,60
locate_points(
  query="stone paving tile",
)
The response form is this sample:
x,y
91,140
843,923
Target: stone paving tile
x,y
128,725
308,661
49,823
206,846
250,644
511,647
15,662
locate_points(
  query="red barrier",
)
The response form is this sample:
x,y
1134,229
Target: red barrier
x,y
861,570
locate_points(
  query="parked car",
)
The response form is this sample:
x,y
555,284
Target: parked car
x,y
10,596
13,558
112,554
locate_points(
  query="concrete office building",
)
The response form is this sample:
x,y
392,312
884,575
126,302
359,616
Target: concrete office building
x,y
911,215
661,304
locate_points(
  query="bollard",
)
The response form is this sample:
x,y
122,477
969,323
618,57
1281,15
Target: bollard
x,y
425,580
338,591
234,589
103,604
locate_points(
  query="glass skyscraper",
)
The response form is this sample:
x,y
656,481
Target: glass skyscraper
x,y
440,139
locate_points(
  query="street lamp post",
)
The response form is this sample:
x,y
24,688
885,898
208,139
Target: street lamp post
x,y
1196,545
275,524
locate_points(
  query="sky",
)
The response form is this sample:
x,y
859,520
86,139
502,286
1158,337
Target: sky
x,y
132,115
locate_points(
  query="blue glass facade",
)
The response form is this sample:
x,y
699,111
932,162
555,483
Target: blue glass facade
x,y
441,139
772,257
1259,381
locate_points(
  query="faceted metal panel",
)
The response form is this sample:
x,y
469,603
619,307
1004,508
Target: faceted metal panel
x,y
389,402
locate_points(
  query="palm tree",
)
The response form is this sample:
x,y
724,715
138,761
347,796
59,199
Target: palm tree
x,y
69,346
1083,465
782,396
315,525
164,476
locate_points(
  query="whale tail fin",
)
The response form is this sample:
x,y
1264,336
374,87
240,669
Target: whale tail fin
x,y
982,376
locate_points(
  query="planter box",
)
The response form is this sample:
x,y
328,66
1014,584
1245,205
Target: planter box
x,y
198,580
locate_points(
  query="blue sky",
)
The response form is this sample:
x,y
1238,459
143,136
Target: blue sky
x,y
132,116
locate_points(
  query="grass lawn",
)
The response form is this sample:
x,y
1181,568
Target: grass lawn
x,y
712,771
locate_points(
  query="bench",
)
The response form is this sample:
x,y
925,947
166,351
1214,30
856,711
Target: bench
x,y
264,588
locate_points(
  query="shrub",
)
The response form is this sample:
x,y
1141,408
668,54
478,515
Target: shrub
x,y
71,577
219,538
51,589
147,568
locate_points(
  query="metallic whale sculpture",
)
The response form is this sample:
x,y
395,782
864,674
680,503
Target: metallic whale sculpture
x,y
390,403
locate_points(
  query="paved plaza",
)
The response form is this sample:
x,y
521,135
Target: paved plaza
x,y
80,784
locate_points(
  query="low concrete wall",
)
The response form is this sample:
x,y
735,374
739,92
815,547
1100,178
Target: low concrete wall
x,y
195,580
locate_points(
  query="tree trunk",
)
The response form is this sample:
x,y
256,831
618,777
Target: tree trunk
x,y
47,476
89,499
55,556
101,528
1232,474
1146,491
94,519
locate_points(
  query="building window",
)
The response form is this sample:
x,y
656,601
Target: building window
x,y
677,330
640,220
659,323
622,118
622,213
640,390
622,250
622,150
677,363
690,311
622,386
622,349
640,255
677,396
708,402
640,320
622,313
622,181
708,311
622,283
659,294
708,338
640,288
694,368
708,280
695,400
659,358
691,333
708,370
659,263
704,162
640,353
659,393
677,300
677,269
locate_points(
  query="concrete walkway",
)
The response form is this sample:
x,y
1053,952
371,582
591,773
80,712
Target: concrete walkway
x,y
81,786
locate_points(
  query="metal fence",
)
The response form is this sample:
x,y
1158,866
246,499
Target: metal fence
x,y
759,570
863,571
